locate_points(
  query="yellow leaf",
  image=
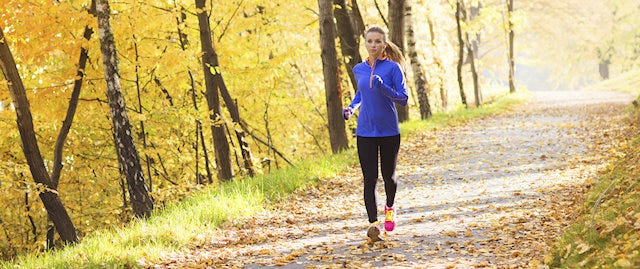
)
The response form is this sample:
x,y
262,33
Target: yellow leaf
x,y
623,263
582,248
214,69
468,233
450,233
567,250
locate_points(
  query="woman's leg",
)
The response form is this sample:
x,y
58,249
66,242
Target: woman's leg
x,y
389,148
368,155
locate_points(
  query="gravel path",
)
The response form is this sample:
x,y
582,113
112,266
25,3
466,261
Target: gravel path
x,y
492,193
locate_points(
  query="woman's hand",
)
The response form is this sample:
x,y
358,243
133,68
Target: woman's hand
x,y
377,81
346,113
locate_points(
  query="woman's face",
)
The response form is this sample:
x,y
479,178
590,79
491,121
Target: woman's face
x,y
375,44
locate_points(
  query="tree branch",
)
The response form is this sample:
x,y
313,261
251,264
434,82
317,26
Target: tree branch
x,y
386,24
226,27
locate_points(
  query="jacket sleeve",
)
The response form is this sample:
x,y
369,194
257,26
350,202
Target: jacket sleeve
x,y
355,103
398,91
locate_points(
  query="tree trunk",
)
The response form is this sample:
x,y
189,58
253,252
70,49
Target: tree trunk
x,y
184,41
603,68
474,11
512,86
52,203
333,92
418,73
472,51
441,71
474,73
604,57
143,133
68,120
396,35
232,106
213,80
348,40
459,18
125,147
356,19
205,151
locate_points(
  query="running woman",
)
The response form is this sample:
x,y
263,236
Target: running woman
x,y
381,85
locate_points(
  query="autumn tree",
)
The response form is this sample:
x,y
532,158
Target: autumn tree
x,y
239,128
356,18
213,82
617,46
594,28
68,120
460,17
48,194
438,72
511,36
199,142
125,147
277,87
396,35
349,38
472,53
333,91
419,75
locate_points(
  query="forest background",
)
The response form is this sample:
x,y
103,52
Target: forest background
x,y
270,57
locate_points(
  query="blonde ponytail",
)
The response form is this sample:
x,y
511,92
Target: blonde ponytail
x,y
394,53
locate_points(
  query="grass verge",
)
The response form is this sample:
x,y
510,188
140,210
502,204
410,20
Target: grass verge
x,y
606,234
192,221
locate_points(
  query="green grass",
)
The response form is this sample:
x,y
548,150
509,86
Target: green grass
x,y
188,222
605,234
191,222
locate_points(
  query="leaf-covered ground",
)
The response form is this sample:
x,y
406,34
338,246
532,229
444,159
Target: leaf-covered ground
x,y
492,193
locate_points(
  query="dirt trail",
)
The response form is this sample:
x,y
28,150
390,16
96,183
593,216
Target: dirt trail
x,y
492,193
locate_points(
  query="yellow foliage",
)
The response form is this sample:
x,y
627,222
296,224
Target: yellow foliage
x,y
258,43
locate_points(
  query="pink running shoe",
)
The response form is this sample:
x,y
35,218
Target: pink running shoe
x,y
389,218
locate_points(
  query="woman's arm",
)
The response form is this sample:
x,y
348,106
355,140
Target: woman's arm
x,y
397,93
355,103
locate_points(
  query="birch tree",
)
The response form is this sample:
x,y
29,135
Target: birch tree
x,y
418,74
125,147
511,36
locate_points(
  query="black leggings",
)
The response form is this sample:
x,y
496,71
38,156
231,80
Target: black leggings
x,y
368,149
